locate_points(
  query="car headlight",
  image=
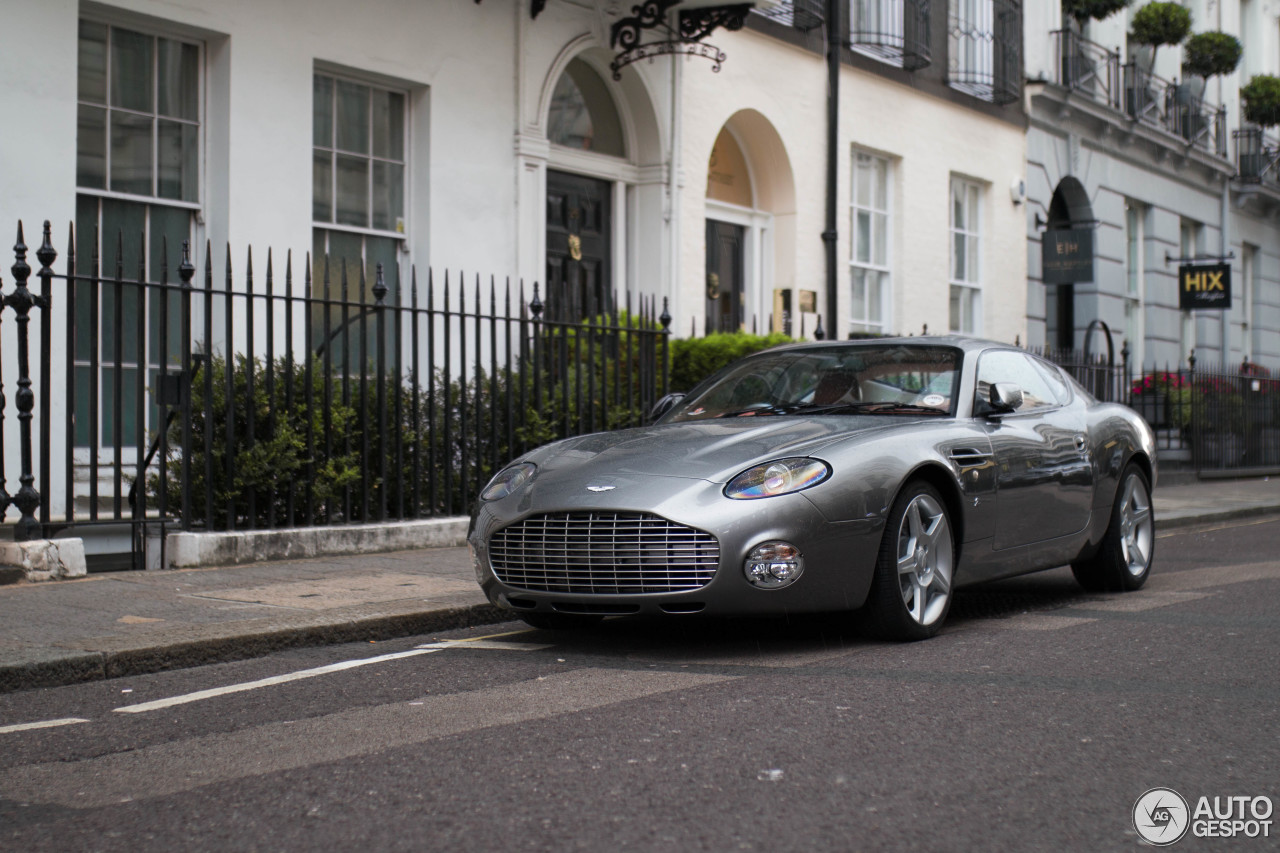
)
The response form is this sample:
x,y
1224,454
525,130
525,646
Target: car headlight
x,y
507,481
777,478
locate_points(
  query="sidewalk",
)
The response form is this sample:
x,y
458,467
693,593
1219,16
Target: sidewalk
x,y
123,623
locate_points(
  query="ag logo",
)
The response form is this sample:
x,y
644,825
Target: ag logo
x,y
1161,816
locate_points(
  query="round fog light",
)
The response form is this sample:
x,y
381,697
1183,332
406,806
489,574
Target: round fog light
x,y
773,565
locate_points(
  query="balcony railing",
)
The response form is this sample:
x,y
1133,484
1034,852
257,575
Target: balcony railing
x,y
1087,67
1091,70
985,50
804,15
893,31
1257,155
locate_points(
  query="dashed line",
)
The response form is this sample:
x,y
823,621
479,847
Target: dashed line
x,y
424,649
200,695
44,724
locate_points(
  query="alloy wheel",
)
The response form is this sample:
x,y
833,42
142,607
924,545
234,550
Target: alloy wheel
x,y
925,559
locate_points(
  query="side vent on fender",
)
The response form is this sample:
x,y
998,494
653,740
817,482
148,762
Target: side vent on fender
x,y
968,457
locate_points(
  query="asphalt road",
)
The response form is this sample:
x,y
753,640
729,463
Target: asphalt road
x,y
1033,722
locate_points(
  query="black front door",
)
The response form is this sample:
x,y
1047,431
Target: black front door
x,y
726,291
578,256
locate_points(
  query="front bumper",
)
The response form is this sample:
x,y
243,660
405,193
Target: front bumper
x,y
839,557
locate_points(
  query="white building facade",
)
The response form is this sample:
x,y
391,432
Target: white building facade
x,y
1130,152
506,138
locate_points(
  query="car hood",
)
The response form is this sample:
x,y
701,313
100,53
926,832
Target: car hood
x,y
713,450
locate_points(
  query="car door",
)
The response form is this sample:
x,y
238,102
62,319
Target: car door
x,y
1044,476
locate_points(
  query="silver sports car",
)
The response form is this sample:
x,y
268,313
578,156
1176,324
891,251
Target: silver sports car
x,y
875,476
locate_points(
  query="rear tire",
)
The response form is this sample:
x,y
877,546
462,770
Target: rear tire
x,y
911,591
1123,560
560,621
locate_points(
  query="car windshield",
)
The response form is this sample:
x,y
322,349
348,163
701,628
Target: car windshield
x,y
887,379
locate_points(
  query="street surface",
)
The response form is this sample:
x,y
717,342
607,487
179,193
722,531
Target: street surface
x,y
1033,722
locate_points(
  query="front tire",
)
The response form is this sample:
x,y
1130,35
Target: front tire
x,y
1123,560
911,592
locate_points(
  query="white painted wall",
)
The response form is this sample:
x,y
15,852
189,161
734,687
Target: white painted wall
x,y
929,140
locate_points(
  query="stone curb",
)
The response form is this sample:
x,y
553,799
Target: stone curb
x,y
57,668
1211,516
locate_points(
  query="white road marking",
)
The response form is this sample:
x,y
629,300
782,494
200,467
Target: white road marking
x,y
426,648
267,682
44,724
481,643
184,765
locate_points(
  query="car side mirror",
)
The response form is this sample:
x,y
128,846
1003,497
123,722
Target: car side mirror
x,y
665,404
1006,397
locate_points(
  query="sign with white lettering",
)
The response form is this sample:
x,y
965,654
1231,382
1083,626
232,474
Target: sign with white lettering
x,y
1067,256
1204,286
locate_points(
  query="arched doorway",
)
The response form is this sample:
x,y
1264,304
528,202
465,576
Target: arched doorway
x,y
596,200
1069,210
750,229
583,117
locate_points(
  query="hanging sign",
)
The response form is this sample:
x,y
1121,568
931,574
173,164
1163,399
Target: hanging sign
x,y
1204,286
1067,256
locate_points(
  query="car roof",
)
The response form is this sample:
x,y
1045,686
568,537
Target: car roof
x,y
960,342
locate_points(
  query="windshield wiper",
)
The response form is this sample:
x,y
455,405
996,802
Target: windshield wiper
x,y
883,408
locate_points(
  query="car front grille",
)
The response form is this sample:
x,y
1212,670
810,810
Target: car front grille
x,y
603,553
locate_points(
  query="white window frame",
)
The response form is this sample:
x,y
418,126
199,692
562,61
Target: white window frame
x,y
884,269
971,44
1135,260
972,234
1248,283
201,100
128,449
401,231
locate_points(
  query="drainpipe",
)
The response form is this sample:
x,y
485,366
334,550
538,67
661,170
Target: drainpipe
x,y
834,44
1224,248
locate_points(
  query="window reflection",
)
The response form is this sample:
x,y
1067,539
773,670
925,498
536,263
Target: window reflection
x,y
583,115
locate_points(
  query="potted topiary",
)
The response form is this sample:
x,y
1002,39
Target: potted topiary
x,y
1207,55
1261,105
1156,24
1261,97
1203,56
1153,25
1076,65
1084,11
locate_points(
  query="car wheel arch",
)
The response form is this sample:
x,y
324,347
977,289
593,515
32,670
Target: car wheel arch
x,y
944,482
1144,464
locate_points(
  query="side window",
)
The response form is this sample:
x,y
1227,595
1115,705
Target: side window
x,y
1053,375
1017,368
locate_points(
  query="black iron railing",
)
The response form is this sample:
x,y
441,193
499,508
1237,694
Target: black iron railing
x,y
257,399
894,31
1257,156
1214,418
1092,70
1087,67
985,47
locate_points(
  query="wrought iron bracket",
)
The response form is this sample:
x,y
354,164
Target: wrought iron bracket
x,y
1202,259
692,26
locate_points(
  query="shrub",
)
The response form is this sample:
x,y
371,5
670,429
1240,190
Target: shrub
x,y
694,359
1261,97
1209,54
1157,24
1172,389
321,459
1084,11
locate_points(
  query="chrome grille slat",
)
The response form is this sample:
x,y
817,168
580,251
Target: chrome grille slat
x,y
603,553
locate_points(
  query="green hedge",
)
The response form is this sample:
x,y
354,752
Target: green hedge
x,y
694,359
305,464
